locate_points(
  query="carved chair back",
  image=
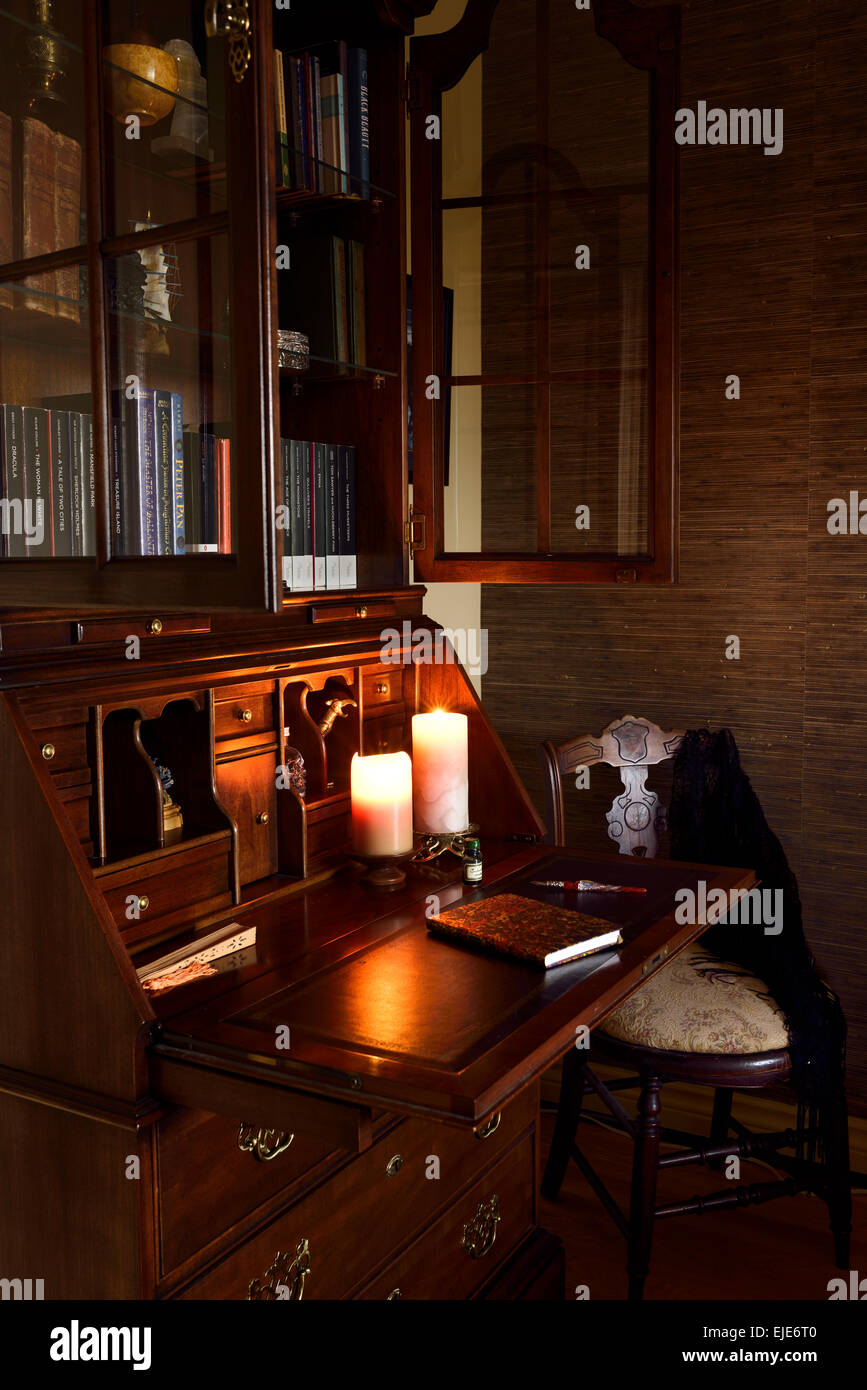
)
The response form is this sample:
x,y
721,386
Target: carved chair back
x,y
637,816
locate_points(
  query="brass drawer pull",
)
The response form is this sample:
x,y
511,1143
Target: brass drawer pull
x,y
153,627
394,1165
361,612
263,1144
262,818
486,1130
144,903
245,715
285,1278
480,1233
48,751
381,688
395,1293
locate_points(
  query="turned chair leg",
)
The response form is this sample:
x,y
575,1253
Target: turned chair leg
x,y
568,1115
838,1187
720,1121
644,1171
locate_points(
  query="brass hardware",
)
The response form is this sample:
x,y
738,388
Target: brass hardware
x,y
379,382
381,688
480,1233
625,576
415,519
485,1131
263,1144
48,751
230,19
336,709
153,627
245,715
361,612
394,1165
262,818
285,1278
144,903
654,961
395,1293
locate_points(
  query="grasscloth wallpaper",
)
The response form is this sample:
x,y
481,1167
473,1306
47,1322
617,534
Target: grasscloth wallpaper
x,y
773,278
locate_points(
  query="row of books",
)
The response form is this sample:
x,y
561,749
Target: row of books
x,y
47,482
323,294
171,487
323,119
50,198
318,515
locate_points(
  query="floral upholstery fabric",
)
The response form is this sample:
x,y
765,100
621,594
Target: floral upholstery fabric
x,y
699,1003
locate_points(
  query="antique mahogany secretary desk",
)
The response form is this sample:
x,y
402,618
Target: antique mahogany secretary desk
x,y
268,1131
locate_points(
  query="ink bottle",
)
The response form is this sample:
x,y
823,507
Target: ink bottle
x,y
472,870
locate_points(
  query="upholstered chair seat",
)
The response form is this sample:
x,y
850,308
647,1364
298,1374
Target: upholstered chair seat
x,y
699,1003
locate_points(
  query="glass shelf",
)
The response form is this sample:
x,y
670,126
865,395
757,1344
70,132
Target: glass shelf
x,y
325,370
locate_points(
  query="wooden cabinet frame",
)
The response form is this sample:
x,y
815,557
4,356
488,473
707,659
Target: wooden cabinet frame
x,y
647,39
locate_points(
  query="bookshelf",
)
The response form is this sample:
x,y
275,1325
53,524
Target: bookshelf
x,y
159,273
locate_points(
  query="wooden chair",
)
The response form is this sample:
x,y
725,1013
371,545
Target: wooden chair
x,y
675,1027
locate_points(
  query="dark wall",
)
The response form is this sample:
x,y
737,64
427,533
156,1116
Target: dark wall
x,y
773,277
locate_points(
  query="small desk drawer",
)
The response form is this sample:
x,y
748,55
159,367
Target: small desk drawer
x,y
166,887
354,610
246,714
372,1207
464,1248
383,735
382,686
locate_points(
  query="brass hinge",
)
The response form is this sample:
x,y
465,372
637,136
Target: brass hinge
x,y
412,90
415,519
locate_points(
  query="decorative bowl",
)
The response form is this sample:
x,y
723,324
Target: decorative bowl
x,y
139,81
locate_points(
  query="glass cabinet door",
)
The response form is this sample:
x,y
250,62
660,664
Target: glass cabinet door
x,y
544,304
136,372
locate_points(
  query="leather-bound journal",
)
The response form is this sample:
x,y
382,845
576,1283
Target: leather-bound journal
x,y
526,930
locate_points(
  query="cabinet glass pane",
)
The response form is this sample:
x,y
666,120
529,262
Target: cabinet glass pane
x,y
46,463
490,498
165,125
173,462
599,480
41,129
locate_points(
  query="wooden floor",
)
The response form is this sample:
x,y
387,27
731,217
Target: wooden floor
x,y
779,1251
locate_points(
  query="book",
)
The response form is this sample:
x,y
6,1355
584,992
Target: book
x,y
358,121
341,305
37,221
59,482
67,220
117,466
317,120
346,459
310,131
7,224
286,497
297,112
165,472
178,478
193,490
320,503
356,303
224,495
284,173
227,948
76,484
332,132
139,481
36,463
302,518
332,518
523,929
210,516
308,295
87,469
13,485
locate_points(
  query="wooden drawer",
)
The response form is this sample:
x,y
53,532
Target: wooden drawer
x,y
248,790
64,746
383,735
207,1183
182,877
147,629
382,686
371,1208
246,713
464,1248
354,609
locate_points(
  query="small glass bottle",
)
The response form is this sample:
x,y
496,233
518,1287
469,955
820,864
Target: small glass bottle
x,y
472,870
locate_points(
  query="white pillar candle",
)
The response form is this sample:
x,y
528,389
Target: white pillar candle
x,y
381,790
439,762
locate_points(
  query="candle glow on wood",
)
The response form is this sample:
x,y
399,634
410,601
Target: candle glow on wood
x,y
440,772
381,789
